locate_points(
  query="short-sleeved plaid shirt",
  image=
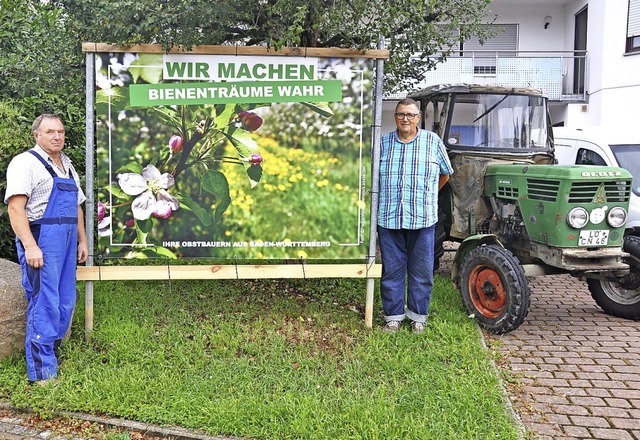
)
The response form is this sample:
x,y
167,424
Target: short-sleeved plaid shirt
x,y
409,176
27,176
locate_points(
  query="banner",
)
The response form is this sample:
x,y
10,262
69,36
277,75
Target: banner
x,y
244,157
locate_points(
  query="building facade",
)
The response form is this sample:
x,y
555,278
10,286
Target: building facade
x,y
584,54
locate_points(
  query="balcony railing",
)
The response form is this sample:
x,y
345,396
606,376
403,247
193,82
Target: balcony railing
x,y
561,75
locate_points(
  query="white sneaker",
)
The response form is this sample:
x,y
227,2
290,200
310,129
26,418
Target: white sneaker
x,y
391,327
418,327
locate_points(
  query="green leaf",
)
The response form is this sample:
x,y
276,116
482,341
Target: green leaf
x,y
131,167
224,115
117,192
319,107
148,67
200,212
216,183
169,114
158,251
242,141
119,100
255,173
143,229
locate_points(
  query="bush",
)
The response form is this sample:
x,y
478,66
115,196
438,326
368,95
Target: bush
x,y
15,130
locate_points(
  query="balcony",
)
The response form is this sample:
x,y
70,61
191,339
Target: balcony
x,y
561,75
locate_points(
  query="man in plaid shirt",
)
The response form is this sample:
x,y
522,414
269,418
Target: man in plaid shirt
x,y
414,166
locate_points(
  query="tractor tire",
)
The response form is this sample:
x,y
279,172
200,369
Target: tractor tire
x,y
439,239
621,298
494,288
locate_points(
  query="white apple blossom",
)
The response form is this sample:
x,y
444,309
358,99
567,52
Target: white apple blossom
x,y
151,188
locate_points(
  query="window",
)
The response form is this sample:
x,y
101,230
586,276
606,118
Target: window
x,y
503,44
588,157
633,27
497,122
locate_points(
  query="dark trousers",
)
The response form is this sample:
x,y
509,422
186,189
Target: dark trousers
x,y
407,266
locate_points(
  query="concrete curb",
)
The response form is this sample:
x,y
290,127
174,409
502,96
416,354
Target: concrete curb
x,y
515,417
173,433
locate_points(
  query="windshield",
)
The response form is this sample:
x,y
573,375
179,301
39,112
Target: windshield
x,y
497,122
628,156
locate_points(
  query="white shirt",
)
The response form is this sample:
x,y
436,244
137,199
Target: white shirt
x,y
27,176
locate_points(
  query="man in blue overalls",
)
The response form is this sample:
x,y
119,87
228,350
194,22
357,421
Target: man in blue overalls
x,y
44,198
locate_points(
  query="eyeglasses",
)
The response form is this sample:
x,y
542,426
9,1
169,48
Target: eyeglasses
x,y
409,116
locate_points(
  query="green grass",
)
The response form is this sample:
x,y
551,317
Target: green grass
x,y
273,359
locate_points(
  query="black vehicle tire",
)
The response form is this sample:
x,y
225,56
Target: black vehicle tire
x,y
440,238
622,297
494,288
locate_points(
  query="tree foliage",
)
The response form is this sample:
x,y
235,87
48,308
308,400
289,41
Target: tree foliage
x,y
42,67
41,71
15,139
432,28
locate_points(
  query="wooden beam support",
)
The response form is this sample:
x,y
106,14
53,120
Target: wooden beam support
x,y
242,50
227,272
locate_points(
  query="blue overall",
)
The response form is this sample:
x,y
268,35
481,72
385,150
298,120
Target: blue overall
x,y
51,290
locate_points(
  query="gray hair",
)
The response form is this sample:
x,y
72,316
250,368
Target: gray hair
x,y
36,124
407,101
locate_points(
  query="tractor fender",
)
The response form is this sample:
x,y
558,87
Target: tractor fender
x,y
470,243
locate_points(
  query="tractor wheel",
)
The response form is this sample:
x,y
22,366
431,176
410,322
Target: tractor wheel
x,y
440,237
494,288
621,298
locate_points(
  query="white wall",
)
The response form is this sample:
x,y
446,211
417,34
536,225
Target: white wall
x,y
532,36
613,78
531,32
388,122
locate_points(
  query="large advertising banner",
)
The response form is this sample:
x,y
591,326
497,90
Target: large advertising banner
x,y
232,156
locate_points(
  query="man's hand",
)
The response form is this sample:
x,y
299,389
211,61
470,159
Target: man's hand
x,y
83,252
20,225
33,255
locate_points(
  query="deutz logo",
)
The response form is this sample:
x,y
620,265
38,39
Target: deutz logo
x,y
601,195
601,174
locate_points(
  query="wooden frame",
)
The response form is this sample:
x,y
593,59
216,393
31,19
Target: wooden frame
x,y
227,272
365,270
243,50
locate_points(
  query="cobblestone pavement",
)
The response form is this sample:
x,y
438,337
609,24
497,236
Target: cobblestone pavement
x,y
576,369
573,372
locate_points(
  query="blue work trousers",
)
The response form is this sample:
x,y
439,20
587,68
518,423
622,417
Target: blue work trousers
x,y
407,266
51,289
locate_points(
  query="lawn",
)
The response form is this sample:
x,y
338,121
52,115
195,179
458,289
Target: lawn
x,y
273,359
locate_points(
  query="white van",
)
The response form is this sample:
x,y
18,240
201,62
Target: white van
x,y
595,146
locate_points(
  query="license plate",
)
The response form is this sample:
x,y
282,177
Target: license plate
x,y
593,238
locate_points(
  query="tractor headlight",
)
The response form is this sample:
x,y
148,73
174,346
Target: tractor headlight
x,y
617,217
577,218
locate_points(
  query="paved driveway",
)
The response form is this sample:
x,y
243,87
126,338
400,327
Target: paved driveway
x,y
577,369
571,371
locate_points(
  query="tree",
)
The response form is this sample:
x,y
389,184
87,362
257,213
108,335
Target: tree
x,y
41,67
41,71
431,28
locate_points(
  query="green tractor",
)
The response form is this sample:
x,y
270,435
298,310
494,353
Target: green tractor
x,y
515,213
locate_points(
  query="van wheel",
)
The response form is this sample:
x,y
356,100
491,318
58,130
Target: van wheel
x,y
494,288
621,298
